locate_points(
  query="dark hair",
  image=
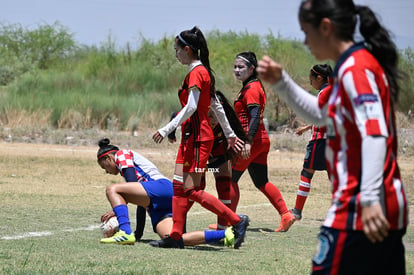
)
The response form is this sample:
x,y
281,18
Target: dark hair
x,y
231,116
196,41
323,70
250,59
105,148
343,14
233,121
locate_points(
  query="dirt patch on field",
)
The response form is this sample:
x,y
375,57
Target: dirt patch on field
x,y
284,139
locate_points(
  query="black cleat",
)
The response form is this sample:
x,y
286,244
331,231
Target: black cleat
x,y
240,230
168,243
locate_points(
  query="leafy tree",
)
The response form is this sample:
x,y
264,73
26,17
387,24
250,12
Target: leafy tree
x,y
23,49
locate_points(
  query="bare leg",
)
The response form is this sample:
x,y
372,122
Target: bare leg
x,y
190,239
127,192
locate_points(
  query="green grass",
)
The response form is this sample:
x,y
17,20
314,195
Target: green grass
x,y
81,253
61,190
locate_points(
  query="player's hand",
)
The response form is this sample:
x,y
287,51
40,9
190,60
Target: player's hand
x,y
107,216
301,130
157,137
374,223
235,143
246,151
268,70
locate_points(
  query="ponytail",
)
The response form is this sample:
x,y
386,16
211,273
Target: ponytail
x,y
380,45
232,117
195,39
234,122
344,15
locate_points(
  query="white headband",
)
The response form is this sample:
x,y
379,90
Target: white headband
x,y
245,59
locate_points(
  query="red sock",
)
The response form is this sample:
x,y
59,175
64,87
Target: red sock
x,y
234,195
180,207
212,204
223,193
303,192
275,197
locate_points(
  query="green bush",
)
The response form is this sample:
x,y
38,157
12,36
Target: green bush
x,y
406,95
43,46
109,86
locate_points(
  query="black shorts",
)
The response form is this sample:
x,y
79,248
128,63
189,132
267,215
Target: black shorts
x,y
351,252
315,155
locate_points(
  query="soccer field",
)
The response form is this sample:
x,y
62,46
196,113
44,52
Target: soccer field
x,y
52,197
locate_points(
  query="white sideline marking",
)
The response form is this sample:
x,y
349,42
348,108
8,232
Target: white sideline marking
x,y
48,233
95,226
27,235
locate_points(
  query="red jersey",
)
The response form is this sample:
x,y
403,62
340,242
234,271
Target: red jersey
x,y
360,105
198,125
251,94
319,132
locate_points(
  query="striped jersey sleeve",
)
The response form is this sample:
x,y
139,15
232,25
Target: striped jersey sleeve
x,y
144,169
360,106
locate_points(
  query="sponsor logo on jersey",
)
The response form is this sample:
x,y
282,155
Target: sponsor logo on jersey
x,y
364,98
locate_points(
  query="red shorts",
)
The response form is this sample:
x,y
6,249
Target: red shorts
x,y
258,154
194,155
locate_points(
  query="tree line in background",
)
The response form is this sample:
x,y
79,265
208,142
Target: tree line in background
x,y
48,79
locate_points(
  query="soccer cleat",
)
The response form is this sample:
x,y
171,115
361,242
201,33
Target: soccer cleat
x,y
287,220
168,243
120,237
229,237
297,213
240,230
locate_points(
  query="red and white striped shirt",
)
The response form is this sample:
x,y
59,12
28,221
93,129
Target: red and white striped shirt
x,y
360,106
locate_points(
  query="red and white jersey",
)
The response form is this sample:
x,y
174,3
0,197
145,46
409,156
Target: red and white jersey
x,y
144,168
199,122
359,106
319,132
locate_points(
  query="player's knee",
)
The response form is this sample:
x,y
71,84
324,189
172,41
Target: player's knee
x,y
306,174
110,189
259,183
235,175
188,192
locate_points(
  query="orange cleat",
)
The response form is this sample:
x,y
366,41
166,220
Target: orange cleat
x,y
287,220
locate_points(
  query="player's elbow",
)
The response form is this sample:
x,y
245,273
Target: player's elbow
x,y
191,109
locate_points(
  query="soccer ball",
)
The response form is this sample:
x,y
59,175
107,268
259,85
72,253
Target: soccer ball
x,y
110,227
